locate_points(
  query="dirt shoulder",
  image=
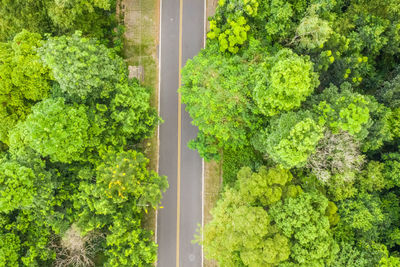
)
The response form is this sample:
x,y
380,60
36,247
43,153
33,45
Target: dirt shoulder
x,y
141,39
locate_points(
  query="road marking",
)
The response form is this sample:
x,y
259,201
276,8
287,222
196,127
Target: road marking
x,y
159,112
178,190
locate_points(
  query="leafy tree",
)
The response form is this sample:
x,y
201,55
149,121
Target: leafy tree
x,y
93,17
125,175
124,189
215,90
303,220
372,178
16,187
232,37
290,139
233,160
131,111
88,16
240,233
129,244
382,130
9,247
345,111
362,214
283,82
391,170
83,67
257,223
390,92
24,80
230,26
358,255
16,15
120,108
26,212
312,32
56,130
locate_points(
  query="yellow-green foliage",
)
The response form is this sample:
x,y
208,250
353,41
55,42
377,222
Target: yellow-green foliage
x,y
230,27
345,111
265,220
290,139
241,224
124,175
231,38
283,82
16,187
54,129
23,80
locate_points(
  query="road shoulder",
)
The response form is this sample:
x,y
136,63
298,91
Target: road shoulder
x,y
141,39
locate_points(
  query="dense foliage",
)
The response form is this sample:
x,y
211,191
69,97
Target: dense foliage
x,y
310,90
24,80
93,17
74,180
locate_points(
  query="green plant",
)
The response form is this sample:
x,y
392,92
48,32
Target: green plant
x,y
84,68
290,139
283,82
24,80
55,129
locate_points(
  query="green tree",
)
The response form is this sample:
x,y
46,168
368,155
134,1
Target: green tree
x,y
16,187
94,17
24,80
89,16
344,110
215,90
83,67
303,219
391,170
353,254
390,92
129,244
123,191
16,15
240,232
229,25
312,32
265,220
9,247
283,82
362,214
290,139
132,112
54,129
124,175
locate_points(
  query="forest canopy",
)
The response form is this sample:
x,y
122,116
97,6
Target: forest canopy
x,y
300,101
75,183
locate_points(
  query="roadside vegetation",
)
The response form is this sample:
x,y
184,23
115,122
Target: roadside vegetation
x,y
75,183
299,101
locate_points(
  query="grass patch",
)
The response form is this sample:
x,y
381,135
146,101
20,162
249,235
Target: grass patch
x,y
212,189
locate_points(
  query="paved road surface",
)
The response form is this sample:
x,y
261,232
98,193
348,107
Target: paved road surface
x,y
189,208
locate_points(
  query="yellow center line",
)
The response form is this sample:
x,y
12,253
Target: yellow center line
x,y
178,190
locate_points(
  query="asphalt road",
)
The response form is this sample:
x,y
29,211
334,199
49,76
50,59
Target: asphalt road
x,y
177,221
